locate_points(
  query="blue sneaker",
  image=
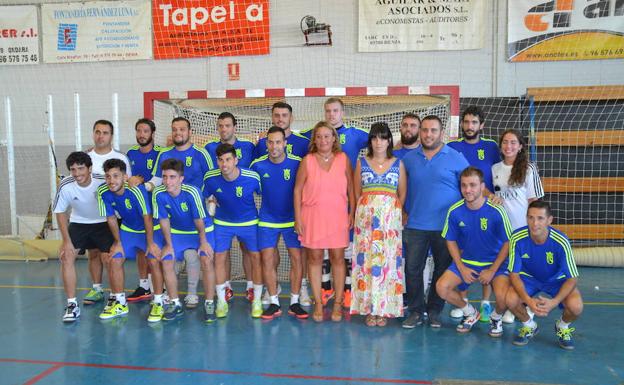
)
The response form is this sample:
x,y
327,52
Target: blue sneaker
x,y
485,310
525,333
565,337
172,312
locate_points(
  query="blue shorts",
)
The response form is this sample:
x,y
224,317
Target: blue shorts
x,y
159,240
464,285
533,286
269,236
132,243
183,242
247,235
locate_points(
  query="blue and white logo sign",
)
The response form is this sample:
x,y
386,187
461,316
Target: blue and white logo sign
x,y
67,37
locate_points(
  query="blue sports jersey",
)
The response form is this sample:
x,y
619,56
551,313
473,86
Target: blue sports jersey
x,y
482,155
352,140
131,206
235,200
196,163
401,152
479,234
143,164
296,144
549,262
278,183
181,210
245,151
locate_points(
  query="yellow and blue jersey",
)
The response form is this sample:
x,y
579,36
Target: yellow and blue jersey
x,y
181,210
549,262
131,206
482,155
196,163
296,144
245,150
480,234
278,183
142,164
235,199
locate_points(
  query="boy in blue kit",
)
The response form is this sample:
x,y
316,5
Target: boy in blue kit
x,y
477,235
541,260
236,215
277,171
282,117
135,235
185,226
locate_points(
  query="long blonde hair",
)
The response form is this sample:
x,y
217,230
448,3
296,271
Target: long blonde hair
x,y
336,146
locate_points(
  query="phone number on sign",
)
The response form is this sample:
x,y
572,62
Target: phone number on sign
x,y
18,58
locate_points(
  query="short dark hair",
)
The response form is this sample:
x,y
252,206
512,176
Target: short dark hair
x,y
105,123
472,171
541,204
281,105
80,158
275,129
475,111
115,163
412,116
147,121
433,117
182,119
380,130
225,148
225,115
173,164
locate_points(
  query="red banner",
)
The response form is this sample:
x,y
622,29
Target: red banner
x,y
199,28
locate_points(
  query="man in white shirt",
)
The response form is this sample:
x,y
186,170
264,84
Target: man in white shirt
x,y
103,148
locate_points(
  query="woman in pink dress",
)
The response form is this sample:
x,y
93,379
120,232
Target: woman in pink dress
x,y
324,209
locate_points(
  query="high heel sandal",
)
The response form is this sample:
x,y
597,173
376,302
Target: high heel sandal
x,y
317,317
336,314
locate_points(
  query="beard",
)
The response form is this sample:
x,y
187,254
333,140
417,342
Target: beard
x,y
144,143
180,142
405,140
471,137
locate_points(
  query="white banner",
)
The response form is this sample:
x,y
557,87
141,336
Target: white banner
x,y
97,31
419,25
19,41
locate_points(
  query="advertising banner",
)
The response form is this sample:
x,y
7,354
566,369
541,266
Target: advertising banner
x,y
19,41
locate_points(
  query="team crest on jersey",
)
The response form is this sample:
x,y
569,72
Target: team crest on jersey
x,y
550,257
289,148
286,174
150,164
483,223
184,206
189,161
128,204
239,191
481,154
343,139
239,153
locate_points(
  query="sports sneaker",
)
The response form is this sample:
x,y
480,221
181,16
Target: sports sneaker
x,y
508,317
485,310
156,313
93,296
304,296
496,328
191,301
456,313
250,295
297,311
525,333
229,294
266,297
434,320
256,308
172,312
413,320
565,337
326,295
346,301
140,294
468,322
271,312
222,309
209,308
72,312
113,309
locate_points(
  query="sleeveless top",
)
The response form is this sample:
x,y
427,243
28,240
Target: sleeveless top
x,y
374,182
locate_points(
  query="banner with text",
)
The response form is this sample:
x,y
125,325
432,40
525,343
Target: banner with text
x,y
420,25
541,30
199,28
96,31
19,41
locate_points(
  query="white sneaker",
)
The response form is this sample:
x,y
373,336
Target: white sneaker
x,y
456,313
304,296
508,317
266,298
72,312
191,301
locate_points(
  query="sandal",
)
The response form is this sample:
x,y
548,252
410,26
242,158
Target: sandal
x,y
382,321
370,320
336,314
317,317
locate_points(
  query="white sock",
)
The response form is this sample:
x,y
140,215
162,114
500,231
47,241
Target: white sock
x,y
228,284
562,325
192,270
158,298
257,290
530,323
485,301
221,292
275,300
468,310
98,287
294,298
144,283
72,300
250,285
304,282
121,298
495,316
149,282
208,301
176,301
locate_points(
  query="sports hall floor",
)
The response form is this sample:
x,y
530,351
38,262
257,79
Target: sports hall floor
x,y
37,348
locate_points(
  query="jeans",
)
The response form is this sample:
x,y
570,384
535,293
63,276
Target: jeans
x,y
417,244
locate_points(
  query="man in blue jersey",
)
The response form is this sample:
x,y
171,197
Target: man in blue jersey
x,y
236,215
282,117
196,163
482,153
477,235
277,171
433,171
186,228
142,158
131,238
410,123
541,261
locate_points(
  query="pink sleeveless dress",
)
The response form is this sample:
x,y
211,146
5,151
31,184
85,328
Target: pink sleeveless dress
x,y
324,206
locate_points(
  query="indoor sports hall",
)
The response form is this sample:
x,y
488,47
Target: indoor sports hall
x,y
552,70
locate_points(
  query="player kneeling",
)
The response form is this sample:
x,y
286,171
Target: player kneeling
x,y
541,260
477,235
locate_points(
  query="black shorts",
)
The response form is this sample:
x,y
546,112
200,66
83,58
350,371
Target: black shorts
x,y
87,236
